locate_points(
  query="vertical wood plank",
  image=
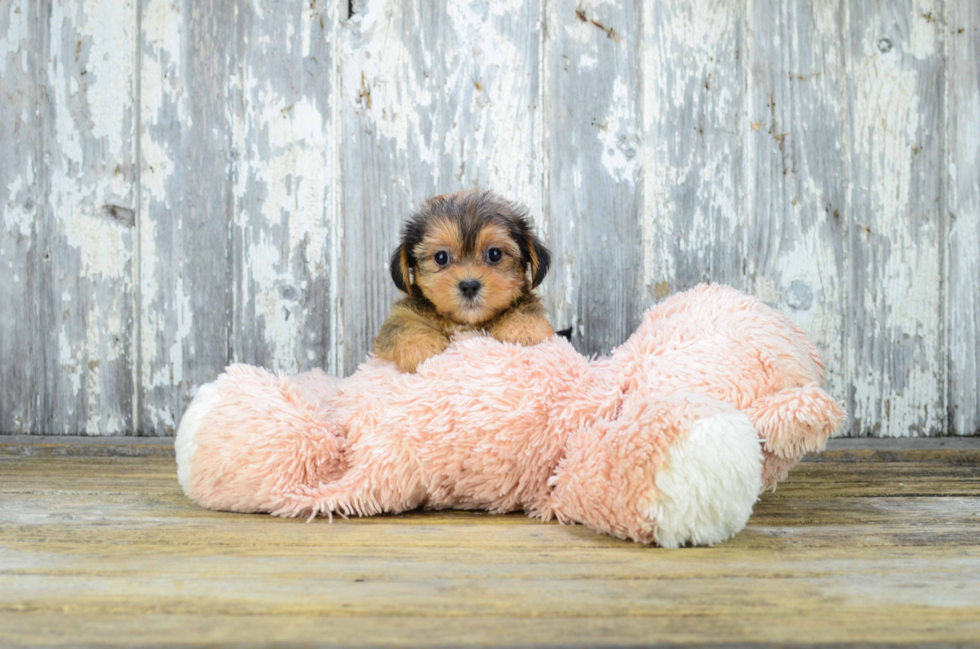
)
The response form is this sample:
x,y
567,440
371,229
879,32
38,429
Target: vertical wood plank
x,y
694,118
85,226
437,97
797,168
287,177
190,81
895,332
963,206
18,173
593,144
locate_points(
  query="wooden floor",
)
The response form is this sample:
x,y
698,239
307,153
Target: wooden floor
x,y
878,545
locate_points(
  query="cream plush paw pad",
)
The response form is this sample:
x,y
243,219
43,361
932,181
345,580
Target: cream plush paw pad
x,y
709,482
185,444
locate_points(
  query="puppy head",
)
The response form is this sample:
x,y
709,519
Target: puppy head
x,y
471,254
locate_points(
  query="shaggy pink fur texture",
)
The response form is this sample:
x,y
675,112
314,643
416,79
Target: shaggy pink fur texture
x,y
669,439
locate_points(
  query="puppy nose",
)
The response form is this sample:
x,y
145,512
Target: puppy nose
x,y
469,287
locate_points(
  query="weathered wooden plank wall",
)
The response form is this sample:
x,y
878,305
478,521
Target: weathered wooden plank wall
x,y
693,144
19,165
895,335
83,371
186,184
593,159
68,111
962,234
796,142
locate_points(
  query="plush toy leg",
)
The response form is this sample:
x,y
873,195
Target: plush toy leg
x,y
671,470
350,495
791,423
250,437
380,480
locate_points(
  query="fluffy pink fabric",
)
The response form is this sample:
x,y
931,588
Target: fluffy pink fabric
x,y
488,425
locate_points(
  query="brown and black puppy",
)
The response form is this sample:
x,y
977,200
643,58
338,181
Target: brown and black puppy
x,y
467,261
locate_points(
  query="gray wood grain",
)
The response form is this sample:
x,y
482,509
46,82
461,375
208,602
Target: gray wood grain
x,y
694,122
19,167
86,188
437,97
963,206
286,185
796,166
187,184
895,322
190,80
593,178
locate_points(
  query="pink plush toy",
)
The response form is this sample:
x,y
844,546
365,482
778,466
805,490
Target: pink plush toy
x,y
668,440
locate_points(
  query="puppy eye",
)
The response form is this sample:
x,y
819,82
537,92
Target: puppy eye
x,y
441,257
494,255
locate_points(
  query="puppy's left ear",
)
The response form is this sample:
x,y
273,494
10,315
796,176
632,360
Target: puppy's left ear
x,y
400,270
537,256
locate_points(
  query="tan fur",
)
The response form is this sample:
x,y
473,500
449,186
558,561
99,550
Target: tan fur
x,y
496,236
407,337
403,262
534,263
525,325
442,234
421,325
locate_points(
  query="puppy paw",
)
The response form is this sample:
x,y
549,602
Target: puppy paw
x,y
411,353
522,331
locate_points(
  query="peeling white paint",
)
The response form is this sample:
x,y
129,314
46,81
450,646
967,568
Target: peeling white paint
x,y
149,315
620,156
691,155
278,323
88,147
15,41
166,315
924,26
161,418
18,211
162,62
467,106
897,375
185,318
475,109
71,366
384,98
106,35
296,173
103,246
794,158
962,145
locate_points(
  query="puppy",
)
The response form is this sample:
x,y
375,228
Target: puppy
x,y
467,261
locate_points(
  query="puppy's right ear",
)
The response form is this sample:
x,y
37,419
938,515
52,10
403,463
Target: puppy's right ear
x,y
400,270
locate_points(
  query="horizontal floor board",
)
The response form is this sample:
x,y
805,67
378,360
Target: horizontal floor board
x,y
107,550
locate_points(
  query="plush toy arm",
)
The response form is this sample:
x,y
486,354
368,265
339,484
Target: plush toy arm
x,y
379,480
673,470
794,422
